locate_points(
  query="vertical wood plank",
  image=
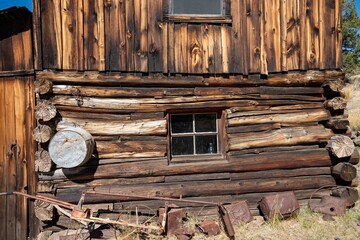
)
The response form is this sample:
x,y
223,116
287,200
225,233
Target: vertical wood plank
x,y
312,34
137,35
303,37
30,153
293,35
69,34
283,33
37,35
17,52
181,48
171,47
101,33
225,46
80,34
28,49
10,165
253,13
205,47
154,36
51,34
210,59
91,41
327,34
6,56
144,36
217,49
237,38
338,32
165,47
272,35
195,49
20,161
130,35
3,173
263,39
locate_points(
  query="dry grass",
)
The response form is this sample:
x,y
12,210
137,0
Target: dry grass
x,y
352,93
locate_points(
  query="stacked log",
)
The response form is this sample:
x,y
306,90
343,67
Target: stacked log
x,y
276,130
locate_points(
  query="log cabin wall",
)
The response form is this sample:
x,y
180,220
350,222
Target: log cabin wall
x,y
119,68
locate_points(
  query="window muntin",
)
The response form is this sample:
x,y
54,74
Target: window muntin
x,y
197,7
194,134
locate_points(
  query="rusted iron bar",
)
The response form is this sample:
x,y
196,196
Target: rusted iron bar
x,y
46,199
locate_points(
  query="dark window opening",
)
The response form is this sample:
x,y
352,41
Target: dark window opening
x,y
197,7
194,134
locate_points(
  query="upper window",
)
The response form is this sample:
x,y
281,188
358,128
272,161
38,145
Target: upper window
x,y
197,7
201,11
195,134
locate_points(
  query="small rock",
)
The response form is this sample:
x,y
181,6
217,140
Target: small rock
x,y
209,227
356,141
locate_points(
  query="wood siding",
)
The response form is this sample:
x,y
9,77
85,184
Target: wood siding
x,y
135,36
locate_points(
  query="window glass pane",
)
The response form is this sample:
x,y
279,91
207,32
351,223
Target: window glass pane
x,y
205,122
182,145
197,7
182,123
206,144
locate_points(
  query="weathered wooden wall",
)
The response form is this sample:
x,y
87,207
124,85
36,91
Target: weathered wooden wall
x,y
15,40
135,36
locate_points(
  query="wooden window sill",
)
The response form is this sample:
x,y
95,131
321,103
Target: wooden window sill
x,y
199,19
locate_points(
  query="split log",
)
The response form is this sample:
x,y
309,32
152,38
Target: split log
x,y
299,117
281,173
253,128
90,115
43,161
44,211
45,111
350,194
272,149
337,103
265,112
42,133
259,162
298,106
128,149
43,86
315,78
194,189
344,171
97,127
337,123
281,137
45,187
290,90
341,146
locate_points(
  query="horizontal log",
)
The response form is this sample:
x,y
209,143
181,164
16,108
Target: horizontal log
x,y
43,161
281,173
253,128
265,112
272,149
307,78
298,106
44,111
98,127
42,133
291,90
259,162
197,177
334,85
100,182
122,92
43,86
194,189
100,116
298,117
280,137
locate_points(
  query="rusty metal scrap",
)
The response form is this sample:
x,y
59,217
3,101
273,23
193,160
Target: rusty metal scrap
x,y
281,205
